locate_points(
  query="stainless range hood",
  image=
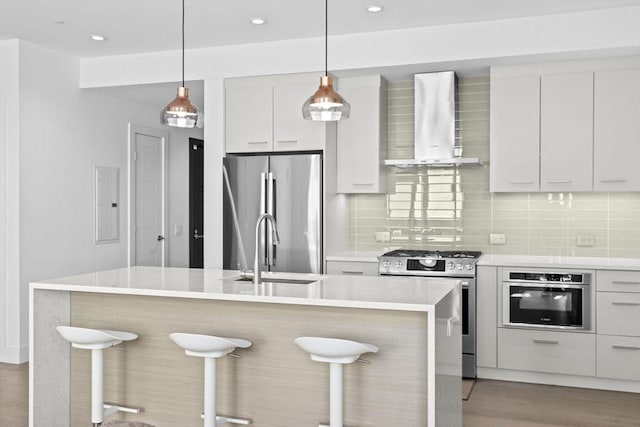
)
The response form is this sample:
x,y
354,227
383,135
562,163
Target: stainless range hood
x,y
435,124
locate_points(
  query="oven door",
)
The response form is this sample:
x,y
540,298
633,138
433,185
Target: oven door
x,y
545,305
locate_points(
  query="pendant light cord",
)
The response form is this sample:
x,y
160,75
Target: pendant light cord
x,y
182,43
326,37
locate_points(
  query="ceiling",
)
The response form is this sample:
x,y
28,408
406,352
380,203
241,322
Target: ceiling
x,y
134,26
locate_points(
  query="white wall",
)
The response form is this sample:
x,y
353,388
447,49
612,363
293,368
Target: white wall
x,y
64,132
9,200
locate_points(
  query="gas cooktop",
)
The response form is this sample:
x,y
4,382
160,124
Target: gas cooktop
x,y
425,253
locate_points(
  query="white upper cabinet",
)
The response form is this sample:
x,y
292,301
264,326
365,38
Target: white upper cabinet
x,y
566,132
248,119
290,131
515,133
617,130
566,126
362,139
264,114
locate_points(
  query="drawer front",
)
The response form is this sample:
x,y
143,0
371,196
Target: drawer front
x,y
618,281
352,268
618,313
618,357
544,351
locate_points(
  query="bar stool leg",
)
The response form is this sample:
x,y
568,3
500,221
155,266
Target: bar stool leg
x,y
97,391
335,395
209,392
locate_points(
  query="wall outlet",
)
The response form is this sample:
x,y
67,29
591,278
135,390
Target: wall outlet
x,y
382,236
497,239
585,240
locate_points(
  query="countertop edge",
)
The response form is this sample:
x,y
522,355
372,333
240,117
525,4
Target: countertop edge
x,y
373,305
593,263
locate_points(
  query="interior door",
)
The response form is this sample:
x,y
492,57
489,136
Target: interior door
x,y
298,212
147,244
196,203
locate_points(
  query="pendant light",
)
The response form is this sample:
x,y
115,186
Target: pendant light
x,y
181,112
326,104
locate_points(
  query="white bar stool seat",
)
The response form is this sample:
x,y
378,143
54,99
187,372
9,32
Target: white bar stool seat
x,y
210,348
337,352
97,340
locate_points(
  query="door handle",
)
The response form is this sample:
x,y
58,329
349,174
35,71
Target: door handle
x,y
546,341
196,235
271,209
160,238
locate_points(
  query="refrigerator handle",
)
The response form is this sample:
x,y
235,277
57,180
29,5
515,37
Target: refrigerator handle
x,y
263,209
271,209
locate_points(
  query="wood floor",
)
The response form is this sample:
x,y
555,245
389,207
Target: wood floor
x,y
491,404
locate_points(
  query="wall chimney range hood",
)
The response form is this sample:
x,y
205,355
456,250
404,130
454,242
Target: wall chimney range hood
x,y
435,124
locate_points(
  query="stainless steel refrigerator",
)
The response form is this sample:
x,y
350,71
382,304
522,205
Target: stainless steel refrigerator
x,y
288,186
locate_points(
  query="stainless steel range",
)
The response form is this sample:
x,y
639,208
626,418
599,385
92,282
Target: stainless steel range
x,y
459,265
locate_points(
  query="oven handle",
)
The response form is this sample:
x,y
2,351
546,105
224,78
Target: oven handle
x,y
545,285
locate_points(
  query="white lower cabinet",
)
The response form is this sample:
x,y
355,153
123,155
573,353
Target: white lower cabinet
x,y
618,314
568,353
487,316
618,357
353,268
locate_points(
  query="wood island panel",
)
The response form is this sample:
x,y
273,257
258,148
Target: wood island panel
x,y
274,383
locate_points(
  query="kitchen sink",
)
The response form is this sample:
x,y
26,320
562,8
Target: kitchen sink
x,y
274,280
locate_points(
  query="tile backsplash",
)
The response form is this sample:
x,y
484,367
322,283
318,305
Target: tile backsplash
x,y
453,208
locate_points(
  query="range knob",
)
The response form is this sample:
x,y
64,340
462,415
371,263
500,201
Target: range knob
x,y
451,266
469,266
385,264
398,264
459,266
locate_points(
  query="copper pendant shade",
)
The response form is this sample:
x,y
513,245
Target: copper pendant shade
x,y
326,104
181,112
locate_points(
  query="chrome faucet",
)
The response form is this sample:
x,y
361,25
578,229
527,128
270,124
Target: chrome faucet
x,y
257,279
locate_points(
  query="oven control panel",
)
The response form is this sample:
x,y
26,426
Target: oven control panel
x,y
444,267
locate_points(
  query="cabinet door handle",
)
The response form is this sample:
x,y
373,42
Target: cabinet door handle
x,y
612,180
288,141
521,182
625,303
625,347
352,272
623,282
566,181
363,183
546,342
258,142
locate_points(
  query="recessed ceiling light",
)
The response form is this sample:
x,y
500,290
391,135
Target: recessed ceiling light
x,y
57,20
375,9
258,21
98,37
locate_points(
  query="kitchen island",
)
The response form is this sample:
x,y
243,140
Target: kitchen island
x,y
414,380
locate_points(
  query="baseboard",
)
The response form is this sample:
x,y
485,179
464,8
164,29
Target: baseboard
x,y
14,355
559,379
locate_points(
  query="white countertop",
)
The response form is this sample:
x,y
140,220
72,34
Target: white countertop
x,y
560,262
371,292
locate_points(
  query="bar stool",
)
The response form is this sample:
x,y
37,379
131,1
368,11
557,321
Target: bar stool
x,y
97,340
210,348
336,352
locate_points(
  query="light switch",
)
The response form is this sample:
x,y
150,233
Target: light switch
x,y
177,229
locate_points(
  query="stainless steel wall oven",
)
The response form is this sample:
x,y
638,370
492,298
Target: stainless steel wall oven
x,y
560,300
